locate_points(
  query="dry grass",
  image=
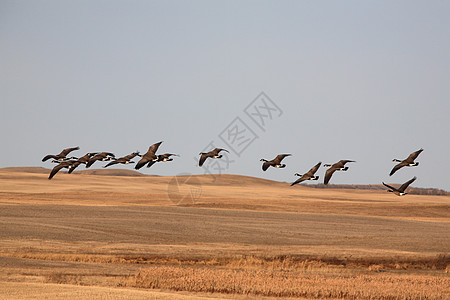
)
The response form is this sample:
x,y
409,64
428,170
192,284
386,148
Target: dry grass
x,y
279,276
293,283
283,262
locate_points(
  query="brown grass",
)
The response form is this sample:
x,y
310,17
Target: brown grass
x,y
294,283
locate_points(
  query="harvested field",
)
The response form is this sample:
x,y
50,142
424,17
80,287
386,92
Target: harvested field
x,y
204,237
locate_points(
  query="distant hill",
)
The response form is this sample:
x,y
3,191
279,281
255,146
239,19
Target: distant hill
x,y
26,170
105,172
111,172
234,180
411,190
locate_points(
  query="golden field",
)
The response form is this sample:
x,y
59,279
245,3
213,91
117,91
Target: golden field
x,y
112,234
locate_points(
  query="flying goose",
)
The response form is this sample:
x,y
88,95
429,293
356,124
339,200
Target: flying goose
x,y
61,156
309,175
65,164
124,160
149,156
161,157
211,154
82,160
339,166
406,162
103,156
401,190
276,162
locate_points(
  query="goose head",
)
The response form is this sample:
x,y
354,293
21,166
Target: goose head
x,y
296,174
327,165
262,159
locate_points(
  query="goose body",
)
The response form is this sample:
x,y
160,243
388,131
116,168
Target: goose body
x,y
408,162
309,175
123,160
61,156
339,166
82,160
211,154
103,156
161,158
276,162
149,156
401,190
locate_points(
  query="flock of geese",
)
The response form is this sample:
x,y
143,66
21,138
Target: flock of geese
x,y
150,158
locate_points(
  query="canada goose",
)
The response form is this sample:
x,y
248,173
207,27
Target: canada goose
x,y
309,175
406,162
124,160
276,162
339,166
149,156
65,164
161,157
103,156
401,190
211,154
82,160
61,156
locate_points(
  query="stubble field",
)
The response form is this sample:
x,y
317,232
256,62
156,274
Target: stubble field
x,y
148,237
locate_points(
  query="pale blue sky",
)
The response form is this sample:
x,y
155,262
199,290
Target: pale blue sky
x,y
360,80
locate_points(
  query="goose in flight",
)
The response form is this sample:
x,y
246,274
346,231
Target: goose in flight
x,y
149,156
211,154
309,175
103,156
161,158
401,190
65,164
61,156
339,166
406,162
276,162
82,160
124,160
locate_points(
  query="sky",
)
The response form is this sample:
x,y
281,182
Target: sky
x,y
321,80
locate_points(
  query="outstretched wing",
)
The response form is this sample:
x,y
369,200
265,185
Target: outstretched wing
x,y
414,155
301,179
388,186
55,170
47,157
328,175
203,157
67,151
114,162
221,149
266,165
397,167
280,157
153,148
150,163
314,169
403,187
141,163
